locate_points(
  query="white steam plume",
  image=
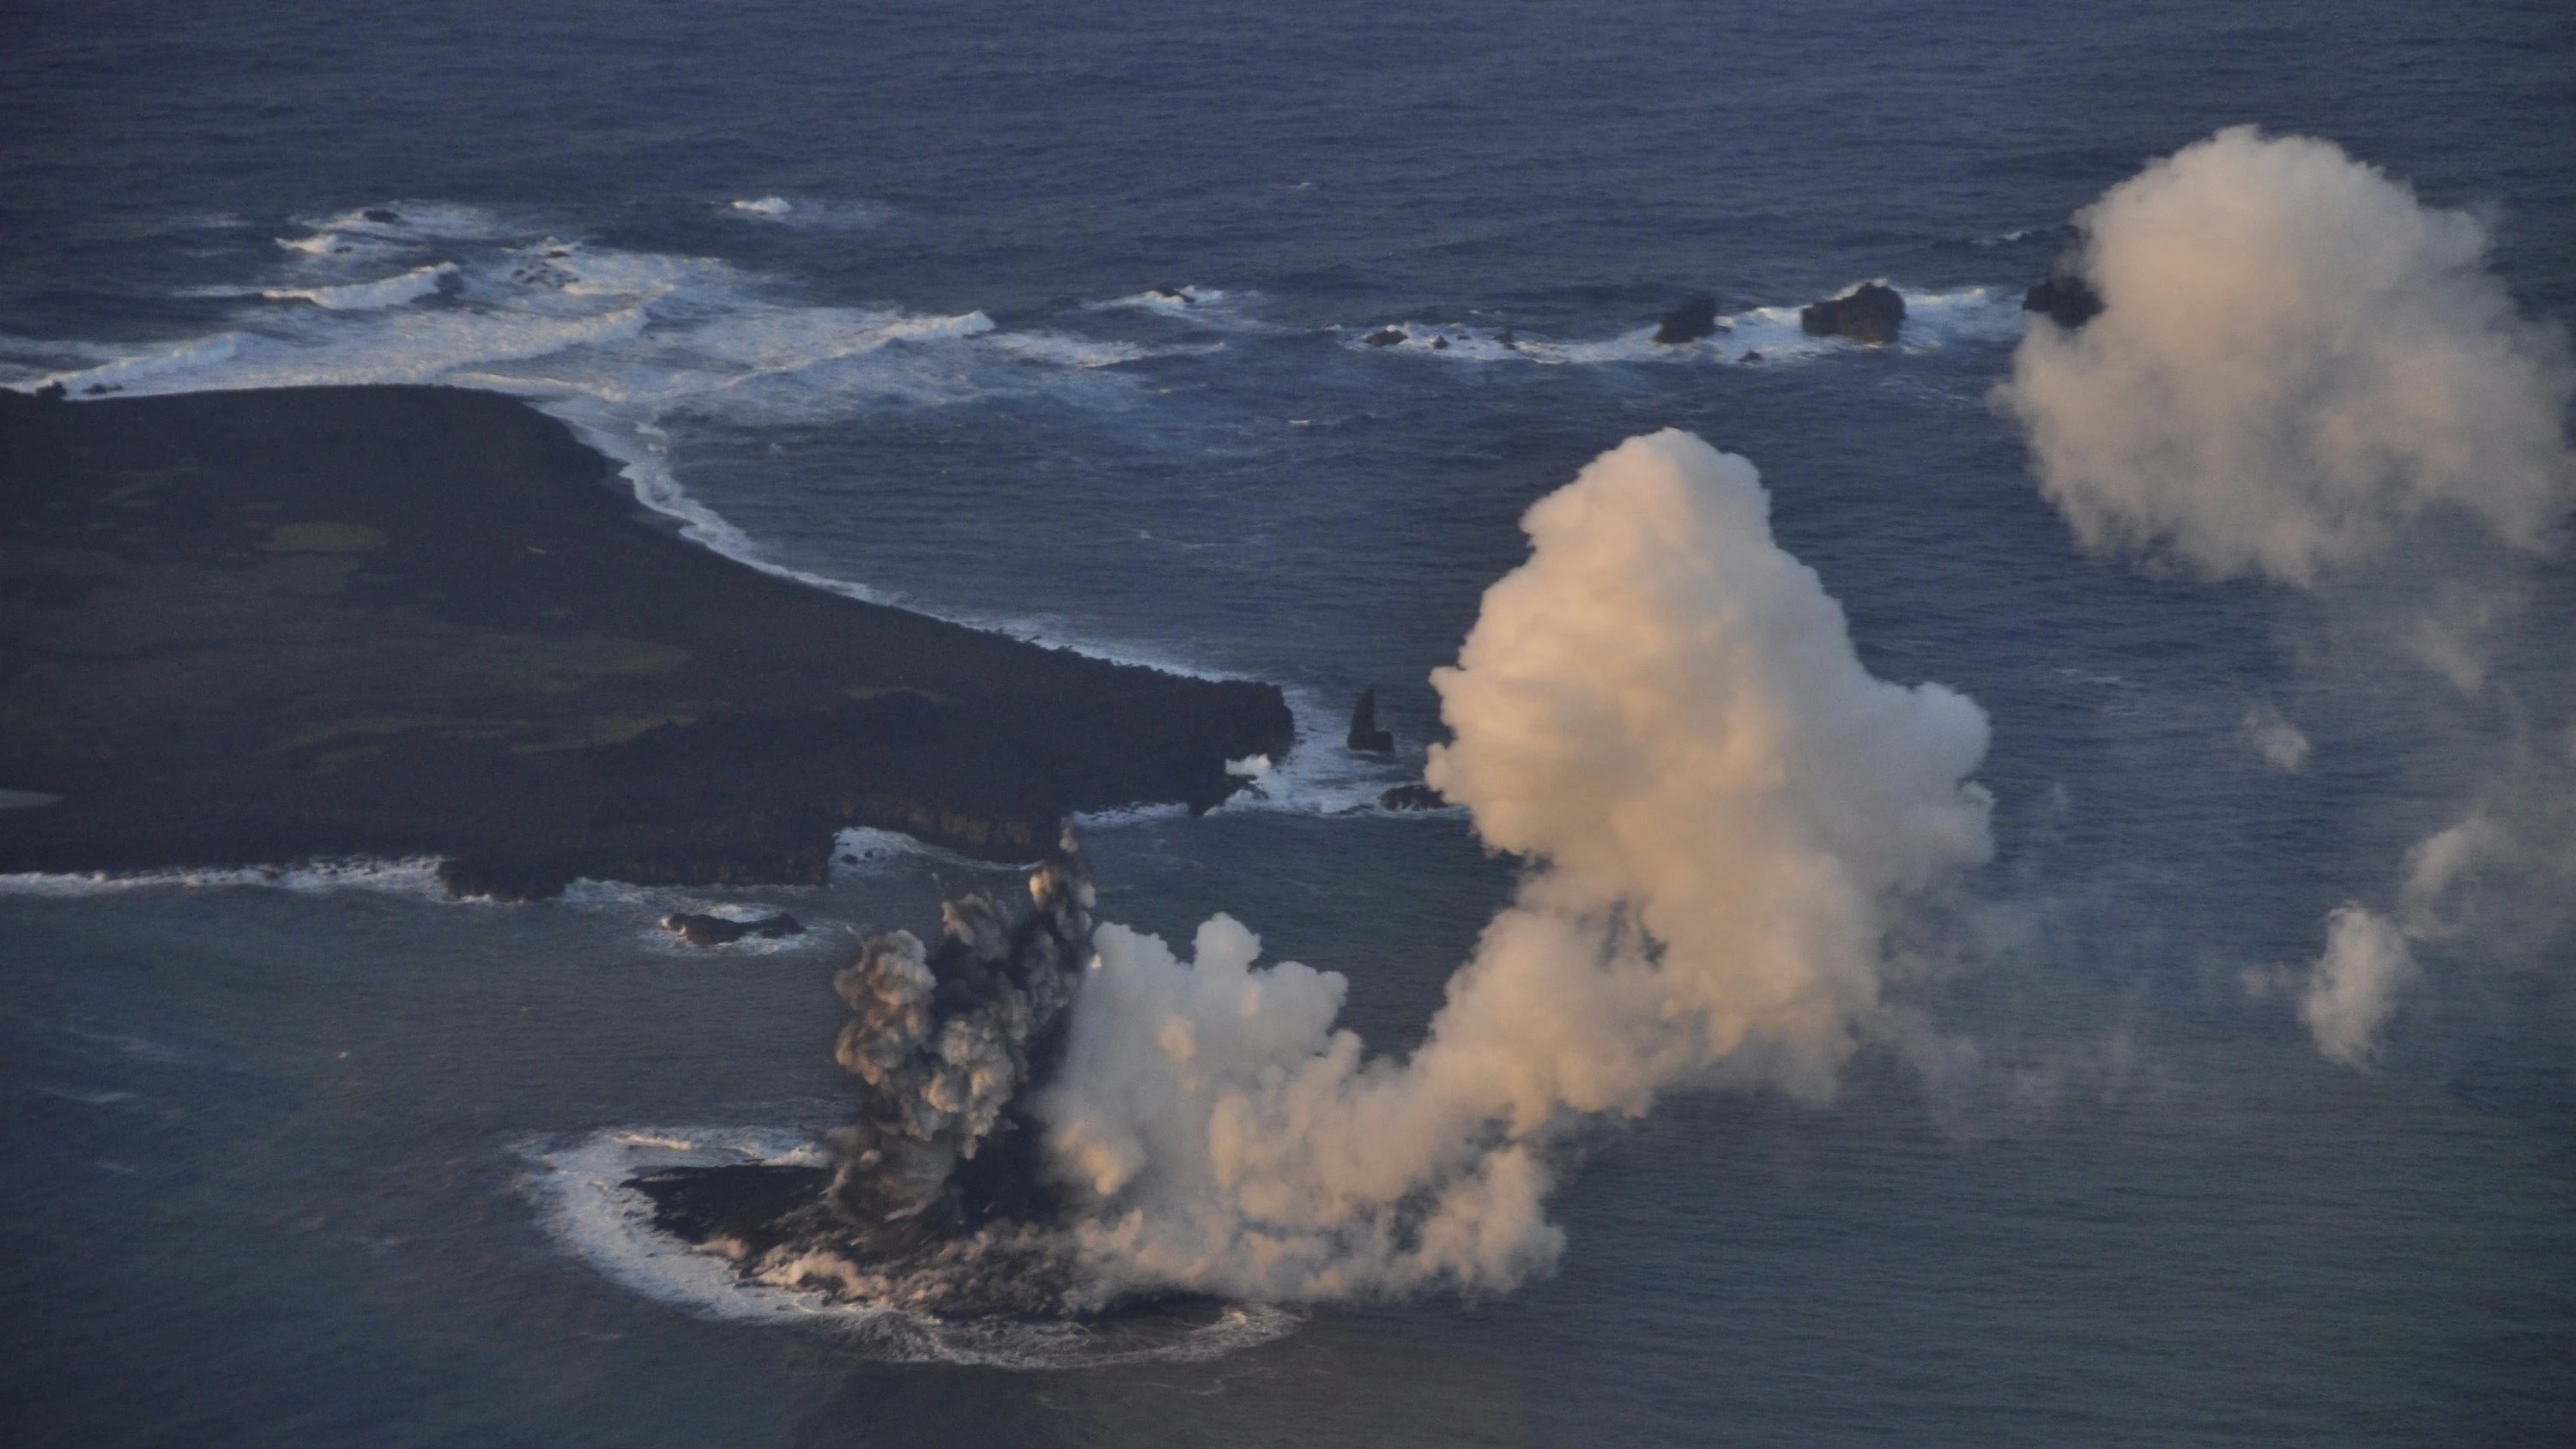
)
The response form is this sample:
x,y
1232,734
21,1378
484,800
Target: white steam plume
x,y
2294,362
1661,711
2295,358
2351,991
2283,745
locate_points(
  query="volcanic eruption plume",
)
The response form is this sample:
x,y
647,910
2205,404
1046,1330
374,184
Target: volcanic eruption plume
x,y
1718,810
1661,713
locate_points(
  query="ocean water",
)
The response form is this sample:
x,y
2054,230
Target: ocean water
x,y
868,297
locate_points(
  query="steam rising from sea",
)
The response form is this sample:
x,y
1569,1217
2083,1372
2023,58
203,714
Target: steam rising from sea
x,y
2301,373
1720,813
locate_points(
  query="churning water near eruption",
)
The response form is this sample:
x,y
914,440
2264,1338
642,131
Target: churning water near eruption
x,y
2226,1103
1719,809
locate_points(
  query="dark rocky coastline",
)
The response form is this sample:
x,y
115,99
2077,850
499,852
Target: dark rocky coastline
x,y
405,621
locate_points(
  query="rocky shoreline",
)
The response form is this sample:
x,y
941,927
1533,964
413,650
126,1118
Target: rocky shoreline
x,y
417,621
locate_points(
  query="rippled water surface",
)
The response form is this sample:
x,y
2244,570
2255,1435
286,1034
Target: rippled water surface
x,y
869,297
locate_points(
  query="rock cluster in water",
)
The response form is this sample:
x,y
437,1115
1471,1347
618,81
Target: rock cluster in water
x,y
1365,736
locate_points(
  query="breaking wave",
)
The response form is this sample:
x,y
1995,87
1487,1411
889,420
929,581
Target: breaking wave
x,y
417,876
821,213
392,291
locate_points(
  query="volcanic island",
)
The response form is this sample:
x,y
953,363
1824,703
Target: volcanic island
x,y
275,626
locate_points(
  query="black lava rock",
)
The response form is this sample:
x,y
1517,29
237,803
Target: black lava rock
x,y
1365,736
2064,300
1869,313
1689,322
700,930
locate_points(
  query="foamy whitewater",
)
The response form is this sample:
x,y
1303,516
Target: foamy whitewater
x,y
2042,915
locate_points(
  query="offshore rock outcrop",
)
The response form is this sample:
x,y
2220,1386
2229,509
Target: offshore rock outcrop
x,y
704,930
2064,299
1694,319
1871,313
1365,736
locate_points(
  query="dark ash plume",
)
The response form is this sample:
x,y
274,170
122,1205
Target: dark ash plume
x,y
933,1199
942,1041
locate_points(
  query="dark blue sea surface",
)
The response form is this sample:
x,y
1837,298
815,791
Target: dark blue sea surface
x,y
868,295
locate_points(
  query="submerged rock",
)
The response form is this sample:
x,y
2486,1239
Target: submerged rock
x,y
1385,337
1416,796
382,215
2068,301
1365,736
1871,313
1692,320
703,930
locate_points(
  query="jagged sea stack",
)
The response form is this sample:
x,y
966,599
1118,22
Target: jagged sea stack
x,y
1871,313
1365,736
1694,319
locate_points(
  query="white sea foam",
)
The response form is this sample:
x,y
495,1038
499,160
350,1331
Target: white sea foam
x,y
393,291
1755,335
417,876
809,212
1193,302
1062,351
863,849
587,1207
1089,821
1962,315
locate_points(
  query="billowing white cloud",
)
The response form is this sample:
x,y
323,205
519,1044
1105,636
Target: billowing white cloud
x,y
1662,713
2296,358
